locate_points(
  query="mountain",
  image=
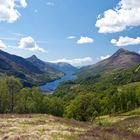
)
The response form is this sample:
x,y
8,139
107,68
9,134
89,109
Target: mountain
x,y
64,67
122,59
60,67
23,69
14,62
44,66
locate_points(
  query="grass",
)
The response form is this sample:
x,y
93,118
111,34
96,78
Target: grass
x,y
133,112
125,126
39,127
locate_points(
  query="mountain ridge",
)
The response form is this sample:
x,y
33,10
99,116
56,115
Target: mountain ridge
x,y
27,72
121,59
54,67
44,66
33,70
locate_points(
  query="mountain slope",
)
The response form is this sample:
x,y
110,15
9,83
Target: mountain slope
x,y
44,66
15,62
22,69
122,59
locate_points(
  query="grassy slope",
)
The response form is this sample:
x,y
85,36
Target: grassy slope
x,y
39,127
124,126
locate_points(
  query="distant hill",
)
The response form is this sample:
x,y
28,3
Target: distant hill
x,y
21,68
122,59
64,67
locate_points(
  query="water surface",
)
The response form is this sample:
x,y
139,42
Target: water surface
x,y
51,86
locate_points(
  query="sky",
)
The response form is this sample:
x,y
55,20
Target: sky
x,y
80,32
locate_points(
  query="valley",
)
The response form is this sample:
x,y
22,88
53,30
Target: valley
x,y
100,101
69,74
52,86
69,70
32,71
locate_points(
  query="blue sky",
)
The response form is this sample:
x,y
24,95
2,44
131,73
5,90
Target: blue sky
x,y
75,31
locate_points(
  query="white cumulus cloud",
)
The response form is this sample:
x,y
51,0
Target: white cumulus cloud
x,y
30,44
85,40
126,14
76,61
104,57
125,41
8,9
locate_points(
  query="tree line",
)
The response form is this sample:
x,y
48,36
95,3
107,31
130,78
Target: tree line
x,y
14,98
87,106
82,104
